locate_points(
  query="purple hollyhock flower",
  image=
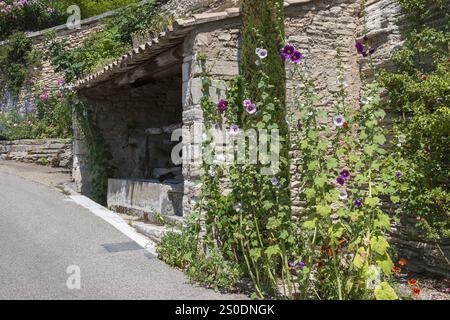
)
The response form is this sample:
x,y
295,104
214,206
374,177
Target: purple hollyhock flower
x,y
44,97
274,181
340,180
399,174
287,52
291,264
366,38
338,120
234,129
301,264
296,57
222,105
359,47
262,53
372,50
345,174
358,203
251,108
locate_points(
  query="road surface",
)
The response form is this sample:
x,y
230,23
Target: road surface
x,y
43,233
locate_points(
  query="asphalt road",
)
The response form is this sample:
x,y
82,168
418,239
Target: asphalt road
x,y
42,233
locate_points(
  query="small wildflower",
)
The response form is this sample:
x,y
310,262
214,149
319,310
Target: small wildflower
x,y
416,291
366,38
291,264
301,264
338,120
403,262
413,282
238,207
299,124
358,203
396,269
399,174
372,50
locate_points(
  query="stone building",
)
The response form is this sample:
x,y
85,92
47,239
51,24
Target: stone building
x,y
142,97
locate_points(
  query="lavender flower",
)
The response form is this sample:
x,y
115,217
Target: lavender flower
x,y
222,106
291,264
358,203
399,174
301,264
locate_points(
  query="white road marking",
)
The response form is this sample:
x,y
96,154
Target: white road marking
x,y
116,221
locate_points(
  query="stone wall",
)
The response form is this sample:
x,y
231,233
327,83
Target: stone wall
x,y
318,29
54,152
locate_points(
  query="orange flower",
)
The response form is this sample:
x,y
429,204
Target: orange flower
x,y
396,269
412,282
416,291
403,262
345,125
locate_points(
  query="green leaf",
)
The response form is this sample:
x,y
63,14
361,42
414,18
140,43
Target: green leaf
x,y
383,221
273,250
310,224
360,258
379,138
323,210
255,253
372,202
379,244
385,292
386,265
331,163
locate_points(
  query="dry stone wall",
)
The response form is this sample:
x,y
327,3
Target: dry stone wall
x,y
54,152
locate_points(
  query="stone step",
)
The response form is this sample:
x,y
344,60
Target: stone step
x,y
152,231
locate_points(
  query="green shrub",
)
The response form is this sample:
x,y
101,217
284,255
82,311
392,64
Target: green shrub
x,y
177,250
419,90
